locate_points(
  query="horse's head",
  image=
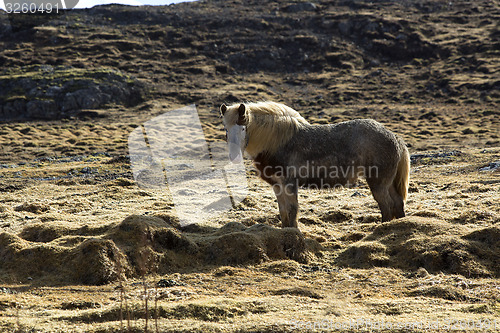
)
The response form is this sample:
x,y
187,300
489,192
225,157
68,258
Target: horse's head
x,y
235,123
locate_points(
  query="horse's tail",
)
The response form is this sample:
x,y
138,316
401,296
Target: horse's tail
x,y
402,179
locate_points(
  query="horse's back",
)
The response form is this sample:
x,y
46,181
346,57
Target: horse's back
x,y
364,133
355,142
368,138
359,129
358,134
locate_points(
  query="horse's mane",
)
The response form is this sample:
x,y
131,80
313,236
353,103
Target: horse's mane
x,y
270,125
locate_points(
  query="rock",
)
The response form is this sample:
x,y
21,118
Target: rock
x,y
428,115
438,157
421,273
493,166
301,7
46,92
167,283
345,27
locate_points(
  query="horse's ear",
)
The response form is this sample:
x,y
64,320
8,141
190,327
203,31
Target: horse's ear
x,y
241,115
241,110
223,109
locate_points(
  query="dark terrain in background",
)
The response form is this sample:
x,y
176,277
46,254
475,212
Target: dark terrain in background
x,y
429,65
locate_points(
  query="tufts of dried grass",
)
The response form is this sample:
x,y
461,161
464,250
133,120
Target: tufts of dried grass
x,y
437,246
53,253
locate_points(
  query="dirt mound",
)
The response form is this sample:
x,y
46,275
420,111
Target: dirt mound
x,y
258,243
32,208
97,261
52,251
93,261
282,267
139,245
152,245
449,293
437,246
44,232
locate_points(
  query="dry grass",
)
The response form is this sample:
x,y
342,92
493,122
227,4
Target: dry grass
x,y
438,264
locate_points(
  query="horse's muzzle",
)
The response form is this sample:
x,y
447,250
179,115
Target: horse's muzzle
x,y
235,153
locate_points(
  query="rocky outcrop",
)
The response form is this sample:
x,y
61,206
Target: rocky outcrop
x,y
47,92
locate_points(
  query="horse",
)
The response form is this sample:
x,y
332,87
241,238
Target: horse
x,y
289,152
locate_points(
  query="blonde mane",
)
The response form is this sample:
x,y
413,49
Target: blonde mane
x,y
269,125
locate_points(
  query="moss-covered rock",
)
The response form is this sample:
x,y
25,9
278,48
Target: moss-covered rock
x,y
47,92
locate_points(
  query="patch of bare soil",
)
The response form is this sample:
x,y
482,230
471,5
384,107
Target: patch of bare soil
x,y
84,248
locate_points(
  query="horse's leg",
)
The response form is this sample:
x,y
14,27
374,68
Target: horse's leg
x,y
278,191
291,192
384,201
380,192
398,208
286,194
